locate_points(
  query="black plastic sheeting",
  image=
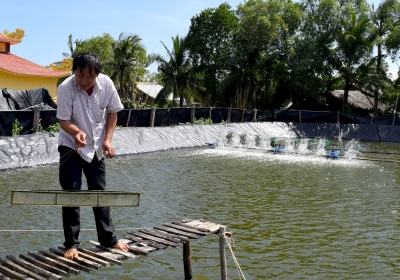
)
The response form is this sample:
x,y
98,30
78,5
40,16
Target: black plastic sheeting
x,y
7,118
25,119
236,115
219,114
12,99
176,116
333,117
41,148
18,105
171,116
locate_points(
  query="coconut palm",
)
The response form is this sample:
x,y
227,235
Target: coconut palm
x,y
71,53
128,65
352,54
176,71
385,19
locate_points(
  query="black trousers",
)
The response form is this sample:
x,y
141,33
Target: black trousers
x,y
70,175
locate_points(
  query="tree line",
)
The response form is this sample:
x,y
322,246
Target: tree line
x,y
265,54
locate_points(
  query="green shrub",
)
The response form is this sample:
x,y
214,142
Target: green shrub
x,y
202,121
229,138
16,128
51,128
258,141
242,140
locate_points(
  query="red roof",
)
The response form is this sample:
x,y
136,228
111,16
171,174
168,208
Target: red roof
x,y
12,41
19,66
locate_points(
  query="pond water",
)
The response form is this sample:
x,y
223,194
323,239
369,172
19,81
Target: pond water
x,y
292,216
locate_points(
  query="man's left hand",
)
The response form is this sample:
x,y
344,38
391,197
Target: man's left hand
x,y
108,150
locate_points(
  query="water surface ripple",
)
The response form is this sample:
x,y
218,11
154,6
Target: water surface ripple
x,y
292,216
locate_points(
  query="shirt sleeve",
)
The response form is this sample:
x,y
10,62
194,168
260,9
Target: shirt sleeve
x,y
64,102
114,105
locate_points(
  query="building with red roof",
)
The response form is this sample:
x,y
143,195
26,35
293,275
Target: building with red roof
x,y
21,74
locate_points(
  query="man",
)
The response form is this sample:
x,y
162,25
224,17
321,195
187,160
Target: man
x,y
87,111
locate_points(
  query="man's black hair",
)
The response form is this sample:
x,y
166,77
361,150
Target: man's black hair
x,y
87,60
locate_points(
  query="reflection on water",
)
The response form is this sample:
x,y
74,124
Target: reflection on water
x,y
293,216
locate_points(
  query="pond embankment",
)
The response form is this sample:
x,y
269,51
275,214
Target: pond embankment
x,y
41,148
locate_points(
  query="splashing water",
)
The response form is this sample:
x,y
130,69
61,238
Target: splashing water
x,y
318,147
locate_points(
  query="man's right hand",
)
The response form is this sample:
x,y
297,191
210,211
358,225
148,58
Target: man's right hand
x,y
71,129
80,139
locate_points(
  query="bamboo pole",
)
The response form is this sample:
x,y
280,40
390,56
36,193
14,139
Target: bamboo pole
x,y
222,256
254,114
187,261
152,116
129,116
192,114
228,115
36,117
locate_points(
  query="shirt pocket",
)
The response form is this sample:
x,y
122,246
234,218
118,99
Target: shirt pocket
x,y
97,110
98,114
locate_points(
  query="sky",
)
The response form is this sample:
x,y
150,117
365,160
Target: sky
x,y
48,23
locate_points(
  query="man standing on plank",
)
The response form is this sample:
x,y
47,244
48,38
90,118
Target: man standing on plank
x,y
87,106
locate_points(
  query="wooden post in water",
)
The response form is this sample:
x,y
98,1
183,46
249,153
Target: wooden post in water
x,y
187,261
222,256
152,116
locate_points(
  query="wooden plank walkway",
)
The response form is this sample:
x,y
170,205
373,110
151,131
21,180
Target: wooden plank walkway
x,y
50,264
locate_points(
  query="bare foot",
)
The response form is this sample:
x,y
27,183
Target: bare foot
x,y
122,246
71,254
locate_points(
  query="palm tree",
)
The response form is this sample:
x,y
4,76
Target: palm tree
x,y
128,65
353,53
385,19
176,71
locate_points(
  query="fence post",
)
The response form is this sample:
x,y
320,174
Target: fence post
x,y
228,117
338,114
209,112
152,116
254,114
300,115
36,115
192,112
372,118
129,117
242,117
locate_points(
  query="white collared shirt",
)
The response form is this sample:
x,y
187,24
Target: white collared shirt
x,y
88,113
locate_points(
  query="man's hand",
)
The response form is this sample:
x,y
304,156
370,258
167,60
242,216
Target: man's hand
x,y
79,135
108,149
80,139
